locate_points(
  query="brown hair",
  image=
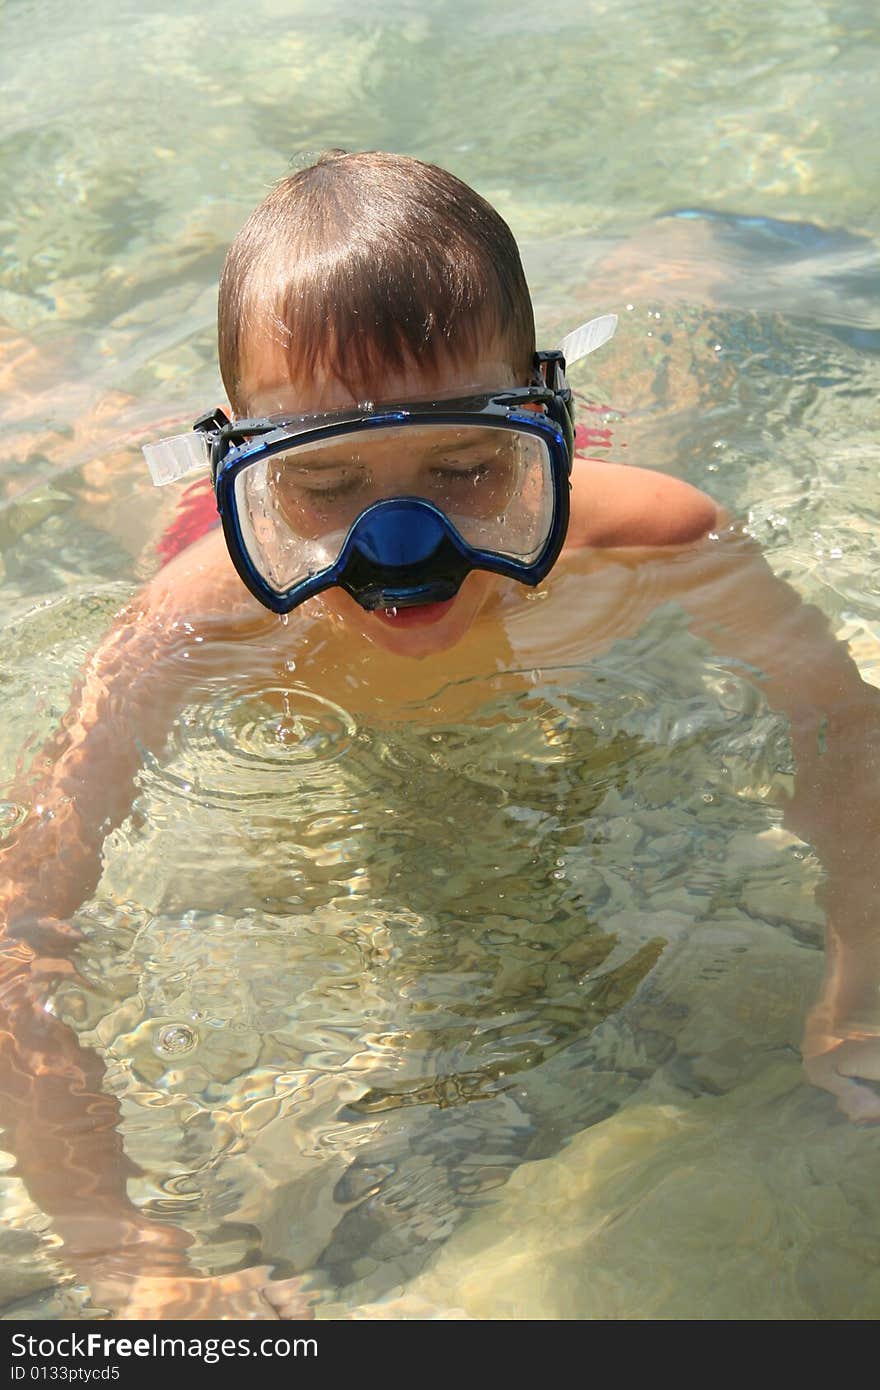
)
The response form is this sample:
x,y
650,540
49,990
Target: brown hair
x,y
364,261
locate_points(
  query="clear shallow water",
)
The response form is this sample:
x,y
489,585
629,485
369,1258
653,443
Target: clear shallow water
x,y
437,947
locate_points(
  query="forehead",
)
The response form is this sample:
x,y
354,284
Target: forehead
x,y
267,386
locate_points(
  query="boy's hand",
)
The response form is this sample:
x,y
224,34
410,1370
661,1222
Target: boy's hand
x,y
843,1058
841,1044
736,603
843,1070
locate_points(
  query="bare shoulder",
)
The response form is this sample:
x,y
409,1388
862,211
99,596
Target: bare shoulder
x,y
201,585
615,504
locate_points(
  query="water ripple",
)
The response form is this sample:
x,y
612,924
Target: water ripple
x,y
238,749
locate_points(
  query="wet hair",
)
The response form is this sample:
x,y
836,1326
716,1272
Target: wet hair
x,y
363,262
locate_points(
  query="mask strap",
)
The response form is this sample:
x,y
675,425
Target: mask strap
x,y
551,367
171,459
580,342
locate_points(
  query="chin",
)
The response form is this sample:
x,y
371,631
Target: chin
x,y
421,631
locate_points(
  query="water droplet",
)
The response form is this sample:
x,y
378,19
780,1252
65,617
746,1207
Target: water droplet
x,y
174,1039
241,747
11,815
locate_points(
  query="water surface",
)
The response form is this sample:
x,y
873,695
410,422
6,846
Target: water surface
x,y
492,1004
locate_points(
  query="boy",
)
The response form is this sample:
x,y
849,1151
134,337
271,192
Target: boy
x,y
387,542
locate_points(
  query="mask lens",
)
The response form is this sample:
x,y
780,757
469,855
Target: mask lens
x,y
493,483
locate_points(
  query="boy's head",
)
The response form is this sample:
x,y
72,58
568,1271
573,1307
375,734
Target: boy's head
x,y
358,270
419,448
374,276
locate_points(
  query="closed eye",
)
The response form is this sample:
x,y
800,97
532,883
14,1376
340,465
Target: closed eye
x,y
472,474
325,484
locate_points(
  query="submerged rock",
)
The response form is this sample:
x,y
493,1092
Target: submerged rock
x,y
756,1204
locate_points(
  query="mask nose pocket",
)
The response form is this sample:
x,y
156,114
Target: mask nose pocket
x,y
401,553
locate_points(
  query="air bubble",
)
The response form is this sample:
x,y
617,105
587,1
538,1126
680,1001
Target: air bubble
x,y
11,815
175,1039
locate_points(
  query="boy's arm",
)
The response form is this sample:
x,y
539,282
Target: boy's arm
x,y
60,1123
62,1127
736,602
81,785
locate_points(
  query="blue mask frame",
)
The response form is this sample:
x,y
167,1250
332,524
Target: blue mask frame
x,y
402,551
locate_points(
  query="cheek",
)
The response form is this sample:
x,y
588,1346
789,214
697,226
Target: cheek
x,y
308,515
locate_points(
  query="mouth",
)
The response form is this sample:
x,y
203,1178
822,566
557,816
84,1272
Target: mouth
x,y
419,615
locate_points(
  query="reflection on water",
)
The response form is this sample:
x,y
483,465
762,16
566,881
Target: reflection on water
x,y
392,955
495,1005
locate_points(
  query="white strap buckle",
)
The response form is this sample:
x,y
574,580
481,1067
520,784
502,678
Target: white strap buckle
x,y
174,458
580,342
170,459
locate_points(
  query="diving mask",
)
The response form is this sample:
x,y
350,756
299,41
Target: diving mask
x,y
394,503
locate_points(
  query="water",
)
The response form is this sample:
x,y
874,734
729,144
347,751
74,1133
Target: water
x,y
490,1002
